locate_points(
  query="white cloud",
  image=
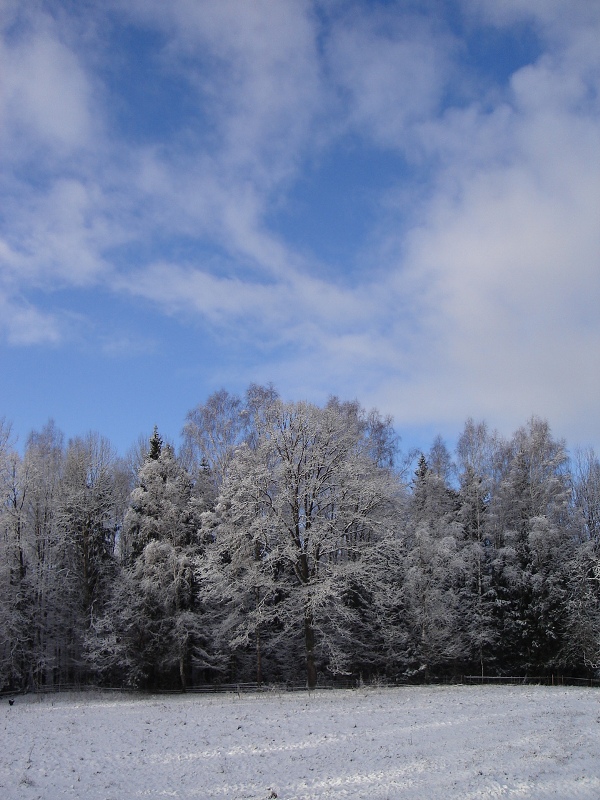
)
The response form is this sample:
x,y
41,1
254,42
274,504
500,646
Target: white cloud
x,y
54,212
486,306
61,235
391,69
23,324
294,309
255,69
46,96
509,254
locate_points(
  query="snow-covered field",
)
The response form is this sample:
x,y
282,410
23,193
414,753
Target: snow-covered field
x,y
414,742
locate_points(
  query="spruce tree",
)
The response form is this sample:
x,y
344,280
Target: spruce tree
x,y
156,444
155,623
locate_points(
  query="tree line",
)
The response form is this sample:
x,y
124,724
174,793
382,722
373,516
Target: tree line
x,y
287,541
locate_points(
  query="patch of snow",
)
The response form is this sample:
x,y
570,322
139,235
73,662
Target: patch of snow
x,y
472,743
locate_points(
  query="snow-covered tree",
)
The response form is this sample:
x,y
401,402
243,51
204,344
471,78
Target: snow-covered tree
x,y
297,516
477,595
534,540
33,629
89,518
581,624
153,629
580,651
586,495
475,452
162,506
15,650
430,569
213,430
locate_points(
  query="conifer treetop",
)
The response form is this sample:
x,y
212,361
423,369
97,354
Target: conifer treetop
x,y
156,444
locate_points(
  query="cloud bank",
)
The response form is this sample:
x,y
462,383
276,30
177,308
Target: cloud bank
x,y
154,151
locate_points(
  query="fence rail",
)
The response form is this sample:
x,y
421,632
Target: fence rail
x,y
539,680
255,688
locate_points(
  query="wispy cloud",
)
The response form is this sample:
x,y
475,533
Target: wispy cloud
x,y
22,324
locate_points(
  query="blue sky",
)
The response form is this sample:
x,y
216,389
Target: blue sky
x,y
392,201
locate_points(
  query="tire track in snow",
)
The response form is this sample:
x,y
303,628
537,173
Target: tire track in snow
x,y
315,741
412,782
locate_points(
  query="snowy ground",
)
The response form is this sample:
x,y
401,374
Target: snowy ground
x,y
415,742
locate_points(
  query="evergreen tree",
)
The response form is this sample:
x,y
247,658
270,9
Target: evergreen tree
x,y
531,514
156,444
153,630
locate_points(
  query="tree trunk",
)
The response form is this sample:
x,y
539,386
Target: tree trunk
x,y
258,658
309,639
259,677
182,672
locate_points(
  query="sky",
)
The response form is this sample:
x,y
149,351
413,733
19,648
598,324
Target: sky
x,y
395,202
